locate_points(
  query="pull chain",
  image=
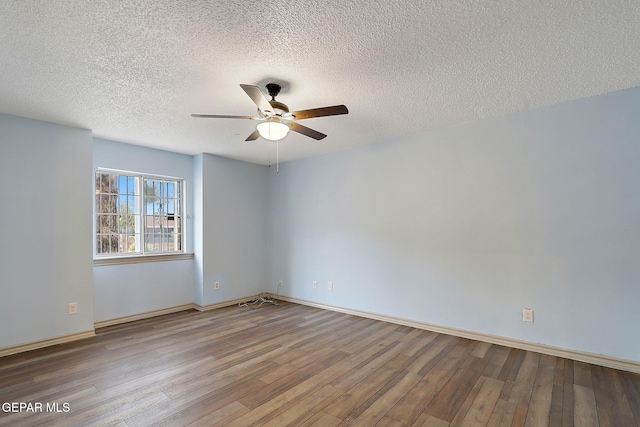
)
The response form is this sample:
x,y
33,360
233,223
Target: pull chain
x,y
277,157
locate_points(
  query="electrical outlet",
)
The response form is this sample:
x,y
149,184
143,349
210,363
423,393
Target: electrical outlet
x,y
330,286
73,308
527,315
216,285
280,283
315,285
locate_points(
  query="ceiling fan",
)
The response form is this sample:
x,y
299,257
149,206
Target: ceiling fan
x,y
275,117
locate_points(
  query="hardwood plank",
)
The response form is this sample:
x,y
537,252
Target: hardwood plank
x,y
269,391
557,394
447,403
368,366
416,400
389,422
422,364
567,395
613,406
482,407
187,409
278,372
290,398
302,410
520,416
379,338
358,394
426,420
540,405
321,419
631,385
366,334
582,374
222,416
510,371
464,408
502,414
555,411
584,413
217,377
418,342
481,349
606,379
386,400
496,362
511,365
523,385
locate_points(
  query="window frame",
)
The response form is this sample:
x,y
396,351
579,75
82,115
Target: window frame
x,y
143,255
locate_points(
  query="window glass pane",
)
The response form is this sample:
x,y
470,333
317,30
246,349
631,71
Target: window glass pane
x,y
124,224
98,223
131,224
122,184
108,243
151,243
99,183
106,224
131,243
116,247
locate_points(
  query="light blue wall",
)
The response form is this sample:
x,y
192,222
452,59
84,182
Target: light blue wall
x,y
125,290
45,257
466,226
231,246
198,230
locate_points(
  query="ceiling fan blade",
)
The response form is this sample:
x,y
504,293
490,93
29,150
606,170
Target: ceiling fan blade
x,y
335,110
222,116
254,135
306,131
258,97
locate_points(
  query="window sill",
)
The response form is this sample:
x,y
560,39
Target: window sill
x,y
136,259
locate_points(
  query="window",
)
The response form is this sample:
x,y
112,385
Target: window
x,y
137,214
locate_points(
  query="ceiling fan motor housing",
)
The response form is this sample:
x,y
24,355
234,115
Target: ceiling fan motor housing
x,y
273,89
278,107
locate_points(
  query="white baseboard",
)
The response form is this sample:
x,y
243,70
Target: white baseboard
x,y
223,303
581,356
140,316
47,342
175,309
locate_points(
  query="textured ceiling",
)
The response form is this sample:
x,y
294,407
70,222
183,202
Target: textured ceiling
x,y
134,71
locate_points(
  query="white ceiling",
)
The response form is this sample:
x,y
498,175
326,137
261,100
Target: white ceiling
x,y
134,71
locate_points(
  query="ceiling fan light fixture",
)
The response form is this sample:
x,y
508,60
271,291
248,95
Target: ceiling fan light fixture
x,y
273,131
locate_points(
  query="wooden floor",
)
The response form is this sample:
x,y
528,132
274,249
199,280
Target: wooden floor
x,y
302,366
